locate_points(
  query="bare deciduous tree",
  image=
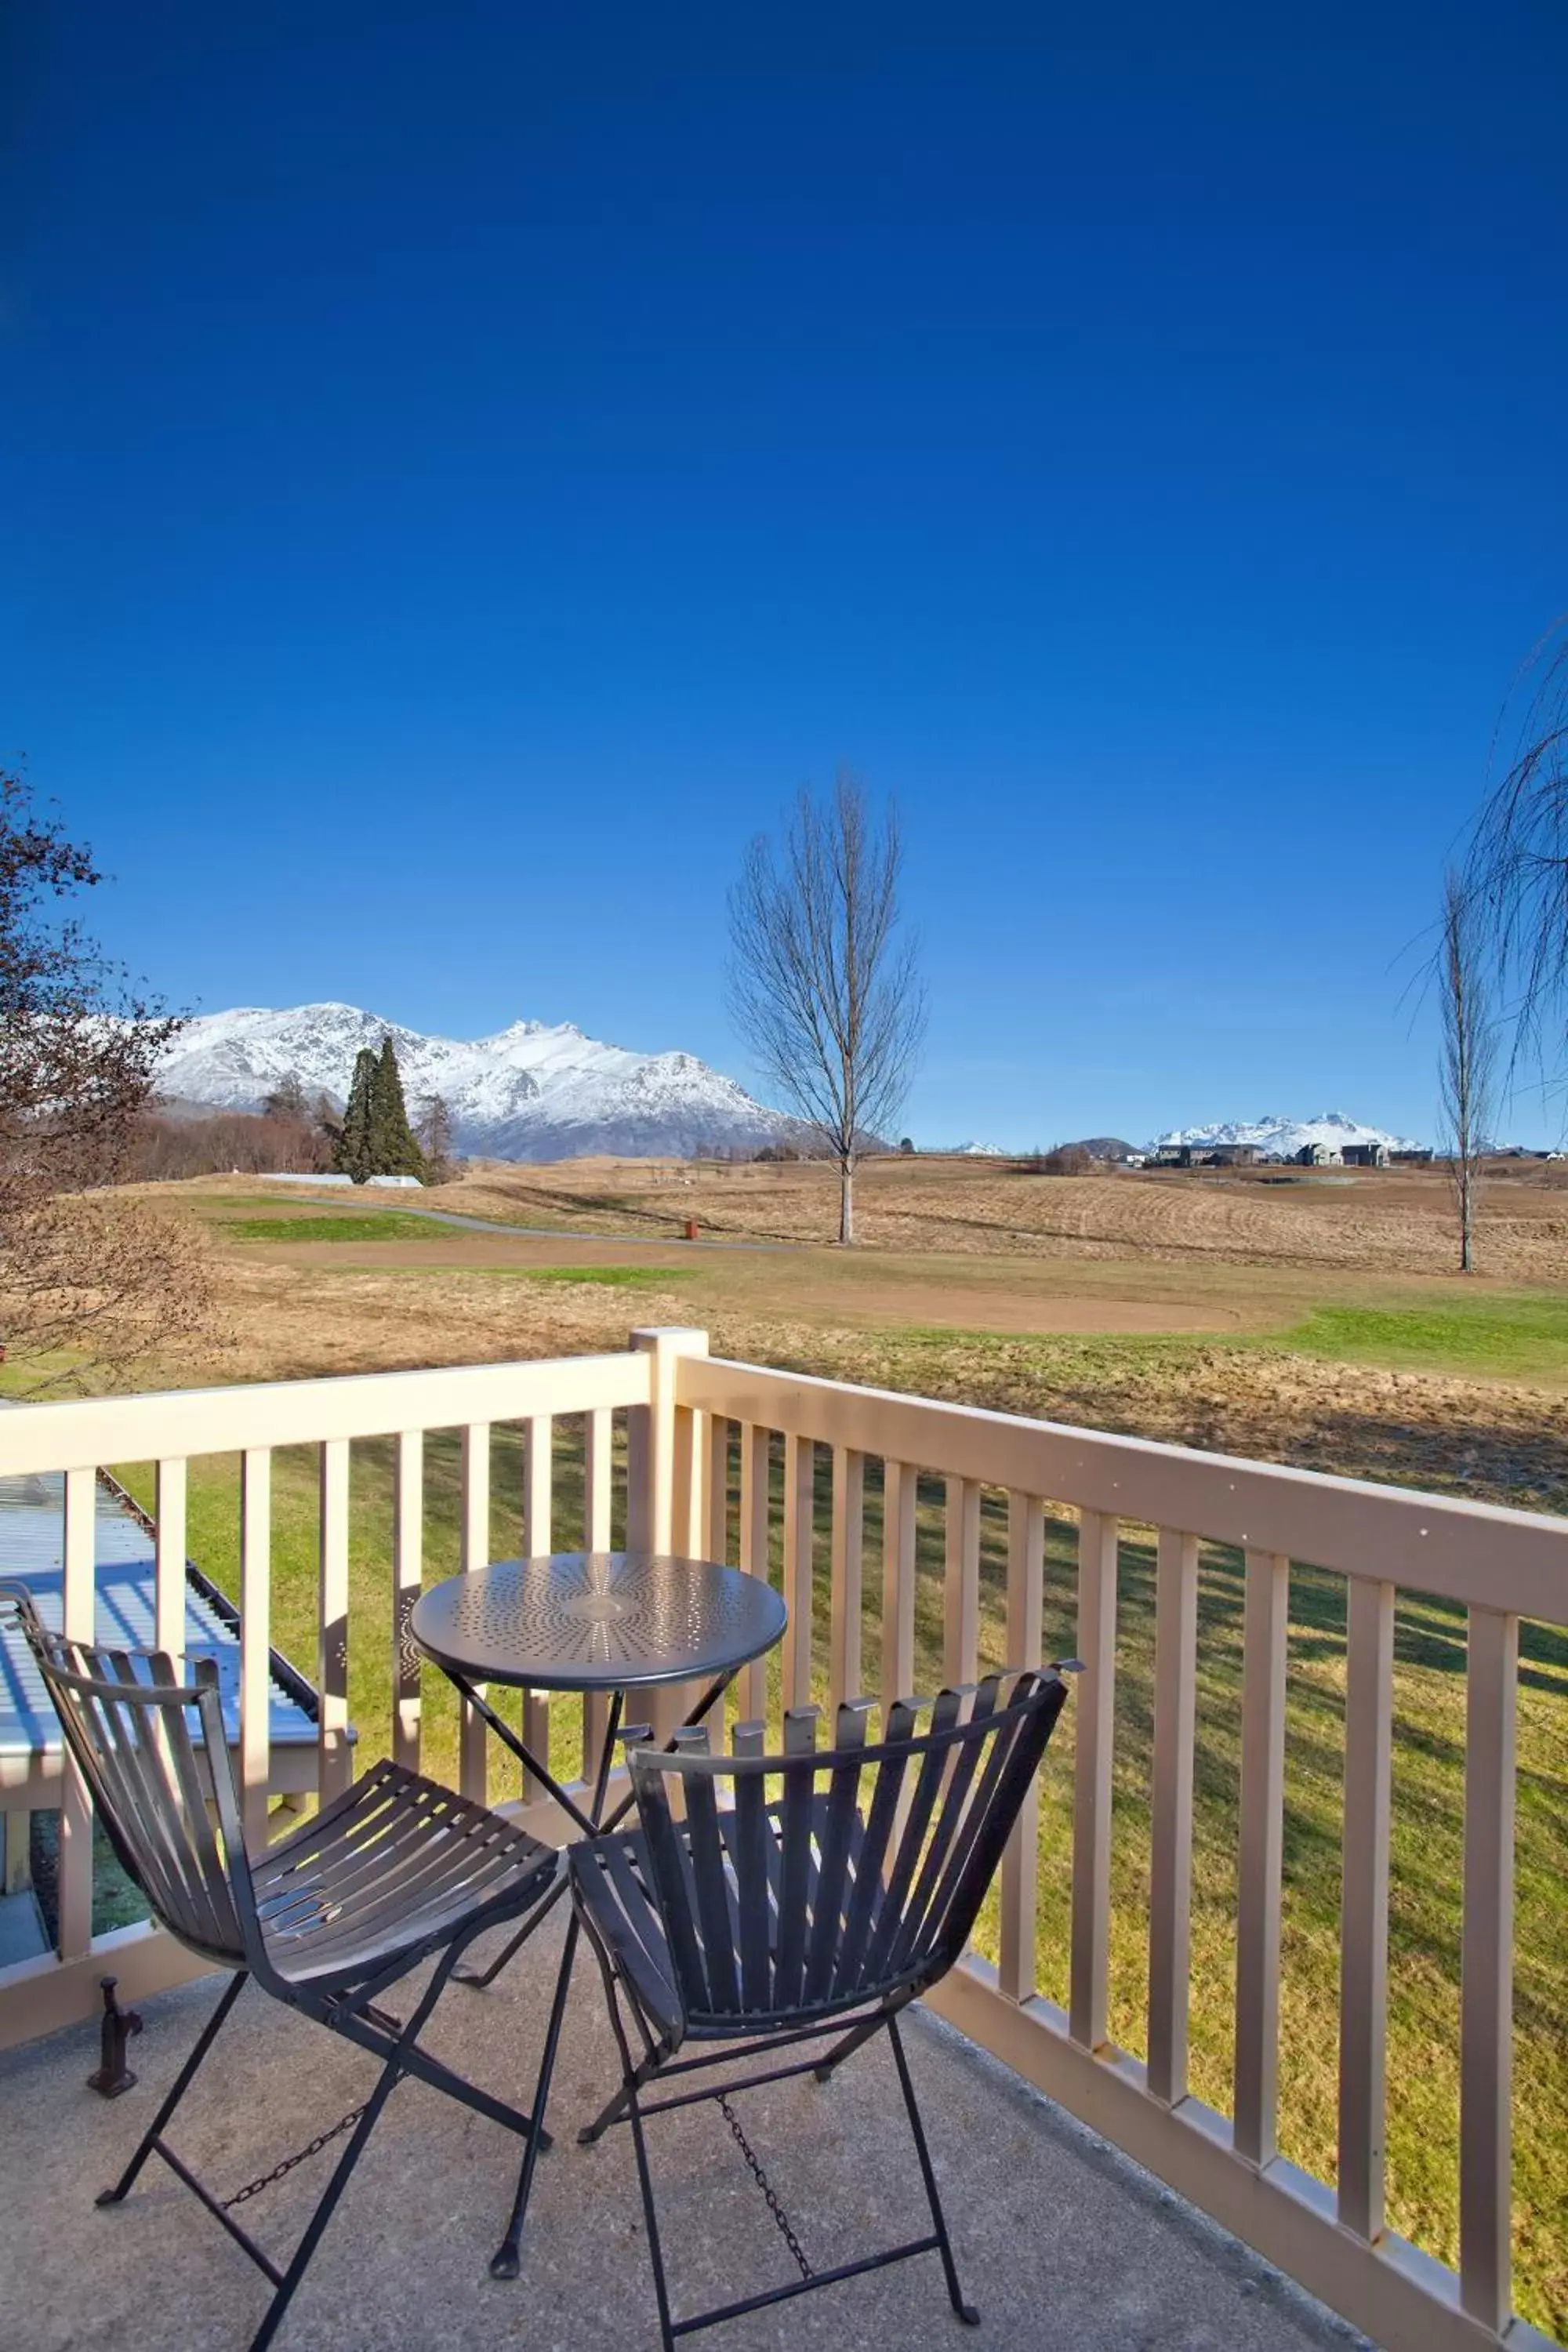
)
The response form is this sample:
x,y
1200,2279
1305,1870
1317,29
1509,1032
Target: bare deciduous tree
x,y
825,992
108,1279
1469,1061
434,1130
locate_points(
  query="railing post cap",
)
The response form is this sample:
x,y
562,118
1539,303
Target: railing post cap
x,y
669,1339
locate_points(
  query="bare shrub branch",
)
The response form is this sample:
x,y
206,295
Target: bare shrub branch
x,y
80,1049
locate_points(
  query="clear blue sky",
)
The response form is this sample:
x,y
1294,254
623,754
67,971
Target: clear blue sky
x,y
465,466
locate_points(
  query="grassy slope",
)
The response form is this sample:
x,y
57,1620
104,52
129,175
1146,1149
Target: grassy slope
x,y
1428,1812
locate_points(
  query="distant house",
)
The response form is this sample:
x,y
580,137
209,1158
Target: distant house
x,y
1232,1155
1173,1155
1320,1155
1365,1155
1411,1159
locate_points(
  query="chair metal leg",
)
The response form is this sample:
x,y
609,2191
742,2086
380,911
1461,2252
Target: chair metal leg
x,y
650,2216
825,2068
482,1978
626,2101
967,2312
505,2261
393,2068
183,2081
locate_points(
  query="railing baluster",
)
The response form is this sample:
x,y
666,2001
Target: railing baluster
x,y
1025,1621
799,1498
639,1478
1170,1808
1486,2011
1094,1732
169,1574
475,1551
718,1538
848,1553
961,1584
1264,1631
900,1483
1364,1921
79,1623
598,1462
670,1702
538,1501
255,1641
754,1525
407,1574
688,1525
333,1623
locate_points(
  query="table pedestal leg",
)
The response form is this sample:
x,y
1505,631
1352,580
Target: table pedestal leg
x,y
507,2260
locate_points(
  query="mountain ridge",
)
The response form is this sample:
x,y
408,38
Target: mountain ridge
x,y
1275,1134
533,1090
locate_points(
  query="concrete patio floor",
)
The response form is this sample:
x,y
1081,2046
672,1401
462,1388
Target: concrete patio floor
x,y
1060,2241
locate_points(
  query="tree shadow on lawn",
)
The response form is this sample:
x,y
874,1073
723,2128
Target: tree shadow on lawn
x,y
1428,1631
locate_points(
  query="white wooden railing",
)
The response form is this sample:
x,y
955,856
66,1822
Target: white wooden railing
x,y
704,1440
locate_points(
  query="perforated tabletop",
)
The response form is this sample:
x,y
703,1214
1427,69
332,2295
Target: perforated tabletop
x,y
597,1621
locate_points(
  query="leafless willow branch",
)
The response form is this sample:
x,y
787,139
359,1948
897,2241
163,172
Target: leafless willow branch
x,y
1516,872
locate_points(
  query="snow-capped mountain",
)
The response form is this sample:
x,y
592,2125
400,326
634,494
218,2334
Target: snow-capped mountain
x,y
1280,1138
531,1092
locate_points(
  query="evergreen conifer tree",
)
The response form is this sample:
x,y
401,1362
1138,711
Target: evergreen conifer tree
x,y
354,1153
393,1150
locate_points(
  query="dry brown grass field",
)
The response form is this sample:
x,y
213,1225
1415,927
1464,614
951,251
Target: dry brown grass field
x,y
1317,1322
1378,1220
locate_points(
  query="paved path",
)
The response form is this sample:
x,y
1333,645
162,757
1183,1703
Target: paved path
x,y
495,1225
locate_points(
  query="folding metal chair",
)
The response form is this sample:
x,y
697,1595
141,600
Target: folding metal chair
x,y
393,1871
833,1888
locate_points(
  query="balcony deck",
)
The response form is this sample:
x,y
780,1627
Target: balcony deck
x,y
990,1538
1061,2239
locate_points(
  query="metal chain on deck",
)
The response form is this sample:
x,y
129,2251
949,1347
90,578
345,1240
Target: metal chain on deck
x,y
782,2222
302,2156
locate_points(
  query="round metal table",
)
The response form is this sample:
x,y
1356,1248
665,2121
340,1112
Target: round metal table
x,y
589,1621
598,1620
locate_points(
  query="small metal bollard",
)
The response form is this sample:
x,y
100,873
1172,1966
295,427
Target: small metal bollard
x,y
118,2024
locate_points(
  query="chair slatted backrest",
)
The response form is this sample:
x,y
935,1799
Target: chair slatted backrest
x,y
862,1875
130,1723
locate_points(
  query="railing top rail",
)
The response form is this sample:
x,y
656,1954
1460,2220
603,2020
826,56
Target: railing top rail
x,y
1472,1553
85,1431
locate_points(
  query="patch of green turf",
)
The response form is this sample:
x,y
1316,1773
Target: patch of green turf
x,y
616,1277
1521,1336
359,1225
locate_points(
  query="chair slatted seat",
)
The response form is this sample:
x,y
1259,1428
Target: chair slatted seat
x,y
394,1871
833,1888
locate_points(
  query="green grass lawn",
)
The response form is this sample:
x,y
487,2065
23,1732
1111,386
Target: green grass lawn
x,y
613,1277
1511,1334
359,1225
1425,1877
